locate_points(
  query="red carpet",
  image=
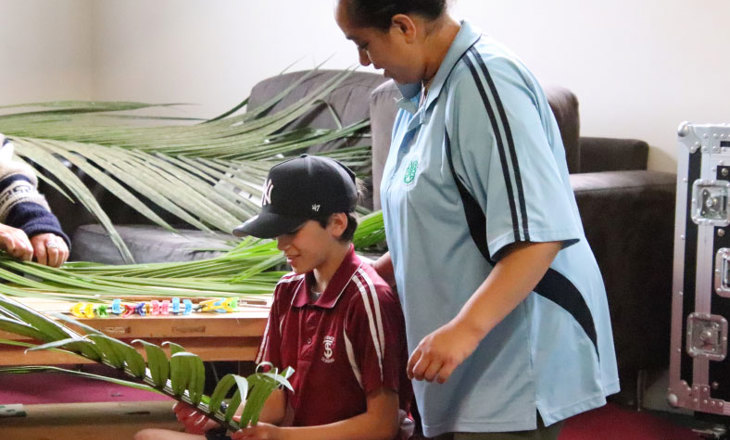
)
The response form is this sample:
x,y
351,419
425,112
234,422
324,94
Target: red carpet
x,y
37,388
612,422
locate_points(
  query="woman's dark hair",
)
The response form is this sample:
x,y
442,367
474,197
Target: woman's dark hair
x,y
378,13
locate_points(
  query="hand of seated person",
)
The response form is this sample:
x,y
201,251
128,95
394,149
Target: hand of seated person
x,y
15,242
49,249
194,421
260,431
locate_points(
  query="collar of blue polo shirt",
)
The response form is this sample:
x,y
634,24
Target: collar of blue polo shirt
x,y
170,306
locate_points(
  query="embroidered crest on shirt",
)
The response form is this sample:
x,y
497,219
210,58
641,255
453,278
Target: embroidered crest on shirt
x,y
410,172
328,353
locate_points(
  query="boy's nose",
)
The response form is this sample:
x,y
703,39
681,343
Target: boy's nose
x,y
282,242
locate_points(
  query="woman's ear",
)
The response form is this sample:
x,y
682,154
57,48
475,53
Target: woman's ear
x,y
337,224
404,25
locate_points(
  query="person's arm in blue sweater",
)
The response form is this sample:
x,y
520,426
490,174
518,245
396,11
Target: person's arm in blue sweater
x,y
28,229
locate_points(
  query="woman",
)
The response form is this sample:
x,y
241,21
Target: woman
x,y
506,313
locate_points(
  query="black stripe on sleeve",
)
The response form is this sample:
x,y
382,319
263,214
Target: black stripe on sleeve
x,y
500,146
510,141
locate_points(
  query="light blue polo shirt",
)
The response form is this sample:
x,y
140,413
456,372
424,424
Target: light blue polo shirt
x,y
554,353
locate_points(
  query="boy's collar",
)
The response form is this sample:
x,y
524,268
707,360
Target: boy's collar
x,y
335,287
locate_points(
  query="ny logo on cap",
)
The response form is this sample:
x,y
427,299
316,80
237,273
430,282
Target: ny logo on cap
x,y
266,196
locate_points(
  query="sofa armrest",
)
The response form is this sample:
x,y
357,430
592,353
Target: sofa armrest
x,y
612,154
348,100
383,109
628,217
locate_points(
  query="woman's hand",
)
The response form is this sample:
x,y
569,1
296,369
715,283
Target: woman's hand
x,y
440,352
193,420
49,249
15,242
260,431
509,283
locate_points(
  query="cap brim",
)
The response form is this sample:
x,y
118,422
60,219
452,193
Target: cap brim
x,y
268,225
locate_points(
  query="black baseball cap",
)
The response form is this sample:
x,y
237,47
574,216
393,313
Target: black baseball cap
x,y
301,189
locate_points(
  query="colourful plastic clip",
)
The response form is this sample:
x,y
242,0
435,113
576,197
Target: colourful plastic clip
x,y
231,304
155,307
207,305
117,307
221,305
83,310
128,310
176,306
76,310
140,309
188,307
165,307
102,311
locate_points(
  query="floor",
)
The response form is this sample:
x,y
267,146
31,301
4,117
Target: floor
x,y
654,401
119,412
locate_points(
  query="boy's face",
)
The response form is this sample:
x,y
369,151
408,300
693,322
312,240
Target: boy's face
x,y
310,246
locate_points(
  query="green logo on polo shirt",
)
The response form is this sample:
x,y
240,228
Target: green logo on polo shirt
x,y
411,172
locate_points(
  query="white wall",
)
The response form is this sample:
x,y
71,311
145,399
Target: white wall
x,y
45,50
208,52
639,68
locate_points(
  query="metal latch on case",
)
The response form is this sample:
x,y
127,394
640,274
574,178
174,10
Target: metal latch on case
x,y
710,202
707,336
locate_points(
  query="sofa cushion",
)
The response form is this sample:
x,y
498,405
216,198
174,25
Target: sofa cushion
x,y
612,154
147,243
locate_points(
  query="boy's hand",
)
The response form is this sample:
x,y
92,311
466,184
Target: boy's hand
x,y
193,420
261,431
439,353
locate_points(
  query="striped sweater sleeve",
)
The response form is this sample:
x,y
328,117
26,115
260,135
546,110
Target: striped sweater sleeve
x,y
21,205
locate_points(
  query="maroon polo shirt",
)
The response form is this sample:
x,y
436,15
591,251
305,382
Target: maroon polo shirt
x,y
344,345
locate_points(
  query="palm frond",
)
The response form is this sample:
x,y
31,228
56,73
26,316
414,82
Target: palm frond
x,y
247,271
202,174
180,377
243,272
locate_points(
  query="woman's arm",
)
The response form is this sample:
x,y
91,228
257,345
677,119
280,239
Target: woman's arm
x,y
509,283
379,422
384,267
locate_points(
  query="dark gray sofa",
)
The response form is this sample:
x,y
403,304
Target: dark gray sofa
x,y
627,210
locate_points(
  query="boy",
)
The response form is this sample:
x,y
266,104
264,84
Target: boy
x,y
334,320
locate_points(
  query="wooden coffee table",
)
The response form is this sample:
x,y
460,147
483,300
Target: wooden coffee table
x,y
213,336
